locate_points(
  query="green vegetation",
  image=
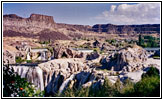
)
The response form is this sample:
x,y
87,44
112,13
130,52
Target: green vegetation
x,y
148,86
86,45
151,72
30,61
155,57
45,42
15,86
148,41
19,60
96,49
112,41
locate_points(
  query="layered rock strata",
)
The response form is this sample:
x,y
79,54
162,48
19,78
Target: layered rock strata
x,y
127,29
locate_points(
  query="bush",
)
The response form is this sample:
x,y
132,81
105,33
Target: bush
x,y
148,41
19,60
15,86
29,61
148,87
151,72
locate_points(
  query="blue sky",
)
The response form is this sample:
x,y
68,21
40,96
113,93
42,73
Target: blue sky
x,y
90,13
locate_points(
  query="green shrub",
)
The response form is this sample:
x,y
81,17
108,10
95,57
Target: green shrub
x,y
151,72
148,87
19,60
148,41
29,61
15,86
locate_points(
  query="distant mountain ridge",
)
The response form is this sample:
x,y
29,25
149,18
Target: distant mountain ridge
x,y
128,29
37,23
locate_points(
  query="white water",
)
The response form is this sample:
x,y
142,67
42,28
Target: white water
x,y
33,75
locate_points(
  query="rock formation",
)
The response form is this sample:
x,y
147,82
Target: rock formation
x,y
62,51
56,75
127,59
8,57
34,24
127,29
92,56
37,23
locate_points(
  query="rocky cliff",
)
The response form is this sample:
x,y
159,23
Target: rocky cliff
x,y
127,29
34,24
37,23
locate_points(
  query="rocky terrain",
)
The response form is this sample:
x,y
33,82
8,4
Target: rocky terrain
x,y
110,57
127,29
55,75
37,25
127,59
65,52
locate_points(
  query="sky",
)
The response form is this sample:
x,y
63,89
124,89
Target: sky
x,y
90,13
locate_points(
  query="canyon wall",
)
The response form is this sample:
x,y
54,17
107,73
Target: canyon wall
x,y
37,23
34,24
127,29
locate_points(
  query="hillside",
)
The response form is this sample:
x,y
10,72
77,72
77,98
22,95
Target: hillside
x,y
37,25
128,29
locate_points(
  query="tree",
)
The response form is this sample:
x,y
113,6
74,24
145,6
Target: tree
x,y
140,40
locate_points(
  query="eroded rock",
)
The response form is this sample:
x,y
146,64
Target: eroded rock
x,y
126,59
8,57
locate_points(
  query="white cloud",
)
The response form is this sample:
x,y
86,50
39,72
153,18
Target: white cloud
x,y
142,13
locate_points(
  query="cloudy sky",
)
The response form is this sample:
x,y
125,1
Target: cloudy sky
x,y
90,13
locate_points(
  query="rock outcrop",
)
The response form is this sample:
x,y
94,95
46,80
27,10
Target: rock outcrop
x,y
8,57
92,56
56,75
65,52
34,24
127,29
127,59
37,23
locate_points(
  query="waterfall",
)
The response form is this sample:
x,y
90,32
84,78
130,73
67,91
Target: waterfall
x,y
33,75
65,83
28,56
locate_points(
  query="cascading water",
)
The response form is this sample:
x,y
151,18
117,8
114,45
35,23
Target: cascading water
x,y
55,75
33,75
